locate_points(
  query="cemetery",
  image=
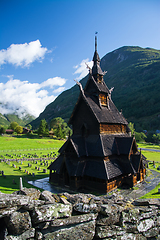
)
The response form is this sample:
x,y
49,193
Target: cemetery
x,y
30,165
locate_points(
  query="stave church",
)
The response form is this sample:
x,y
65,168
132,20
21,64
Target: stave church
x,y
101,154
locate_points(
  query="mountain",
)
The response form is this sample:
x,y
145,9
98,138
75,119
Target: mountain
x,y
6,119
134,72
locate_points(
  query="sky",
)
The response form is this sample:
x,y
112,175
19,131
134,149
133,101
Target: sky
x,y
44,44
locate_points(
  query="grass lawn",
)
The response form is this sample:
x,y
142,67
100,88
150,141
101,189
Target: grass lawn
x,y
152,156
9,143
148,145
22,148
153,193
13,173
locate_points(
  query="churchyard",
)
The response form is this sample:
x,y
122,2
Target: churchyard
x,y
26,158
29,158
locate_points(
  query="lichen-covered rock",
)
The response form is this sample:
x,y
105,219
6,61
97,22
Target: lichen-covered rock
x,y
64,201
18,222
131,236
111,213
47,197
83,231
32,193
145,225
50,211
129,219
85,208
32,204
70,221
105,232
29,234
7,211
152,232
11,200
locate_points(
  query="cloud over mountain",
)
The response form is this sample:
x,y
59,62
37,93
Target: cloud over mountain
x,y
21,96
23,54
81,68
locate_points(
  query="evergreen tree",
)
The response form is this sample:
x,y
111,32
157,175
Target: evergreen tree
x,y
56,122
2,129
43,128
59,134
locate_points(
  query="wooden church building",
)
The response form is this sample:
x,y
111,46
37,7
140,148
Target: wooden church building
x,y
101,154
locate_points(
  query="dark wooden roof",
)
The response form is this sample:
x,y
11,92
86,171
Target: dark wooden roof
x,y
100,145
102,114
93,86
124,144
97,168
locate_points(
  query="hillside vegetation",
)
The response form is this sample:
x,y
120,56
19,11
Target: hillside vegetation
x,y
6,119
134,73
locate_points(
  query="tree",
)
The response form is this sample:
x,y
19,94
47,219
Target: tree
x,y
131,126
56,122
140,137
156,138
2,129
43,128
59,134
19,129
29,126
13,125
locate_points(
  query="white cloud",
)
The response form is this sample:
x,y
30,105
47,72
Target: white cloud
x,y
23,54
59,90
22,97
56,81
81,68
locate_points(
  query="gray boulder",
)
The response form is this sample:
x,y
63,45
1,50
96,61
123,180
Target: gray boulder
x,y
50,211
47,197
18,222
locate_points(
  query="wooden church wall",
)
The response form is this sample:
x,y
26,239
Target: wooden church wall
x,y
112,128
84,116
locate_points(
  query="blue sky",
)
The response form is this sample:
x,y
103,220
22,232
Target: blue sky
x,y
44,44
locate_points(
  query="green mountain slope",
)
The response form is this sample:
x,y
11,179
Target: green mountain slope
x,y
6,119
134,73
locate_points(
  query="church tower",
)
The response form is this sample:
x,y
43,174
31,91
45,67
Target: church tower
x,y
101,154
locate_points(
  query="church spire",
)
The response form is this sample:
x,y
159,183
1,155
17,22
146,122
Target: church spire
x,y
96,41
96,69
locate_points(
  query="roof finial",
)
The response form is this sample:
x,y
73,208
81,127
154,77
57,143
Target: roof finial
x,y
96,41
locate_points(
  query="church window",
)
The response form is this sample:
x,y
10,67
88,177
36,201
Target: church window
x,y
99,78
103,99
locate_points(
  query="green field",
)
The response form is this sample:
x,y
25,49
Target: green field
x,y
148,145
20,151
153,193
10,181
150,155
21,147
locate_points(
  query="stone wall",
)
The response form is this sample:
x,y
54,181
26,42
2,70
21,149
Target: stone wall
x,y
30,214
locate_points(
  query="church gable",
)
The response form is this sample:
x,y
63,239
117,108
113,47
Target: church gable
x,y
84,117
